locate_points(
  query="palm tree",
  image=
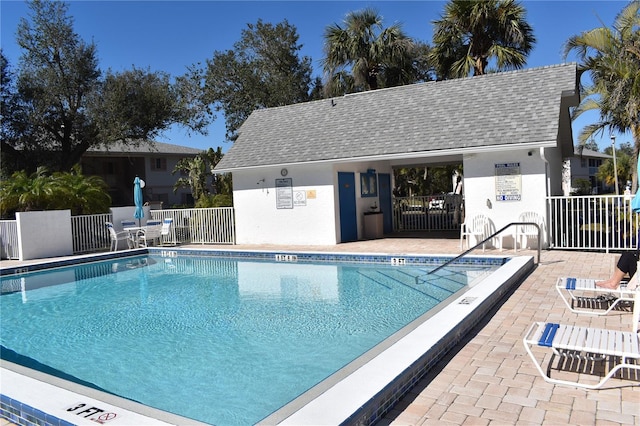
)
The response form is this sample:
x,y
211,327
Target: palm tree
x,y
42,191
375,56
197,171
79,193
221,184
611,56
473,33
624,168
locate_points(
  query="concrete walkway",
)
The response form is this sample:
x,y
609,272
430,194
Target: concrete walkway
x,y
488,378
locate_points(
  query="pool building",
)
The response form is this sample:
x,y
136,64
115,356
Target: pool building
x,y
312,173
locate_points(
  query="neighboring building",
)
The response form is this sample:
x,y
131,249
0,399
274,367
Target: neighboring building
x,y
311,173
584,165
153,163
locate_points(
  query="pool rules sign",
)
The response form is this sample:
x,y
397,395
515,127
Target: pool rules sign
x,y
508,182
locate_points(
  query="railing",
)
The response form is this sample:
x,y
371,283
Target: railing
x,y
597,222
490,237
90,233
604,222
427,213
9,239
200,226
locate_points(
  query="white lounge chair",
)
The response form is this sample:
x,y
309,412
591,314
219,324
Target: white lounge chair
x,y
116,237
581,294
586,349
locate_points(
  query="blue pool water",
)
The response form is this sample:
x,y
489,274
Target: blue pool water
x,y
222,341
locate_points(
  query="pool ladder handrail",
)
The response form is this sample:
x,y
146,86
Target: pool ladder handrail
x,y
484,241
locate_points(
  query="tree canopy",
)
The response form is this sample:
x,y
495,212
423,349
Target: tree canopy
x,y
363,55
471,34
262,70
611,56
59,104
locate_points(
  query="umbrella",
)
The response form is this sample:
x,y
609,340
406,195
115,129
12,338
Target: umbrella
x,y
138,184
635,204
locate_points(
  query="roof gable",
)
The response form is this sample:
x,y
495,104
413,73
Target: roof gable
x,y
496,109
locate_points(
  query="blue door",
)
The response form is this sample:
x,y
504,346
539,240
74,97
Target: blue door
x,y
347,200
384,193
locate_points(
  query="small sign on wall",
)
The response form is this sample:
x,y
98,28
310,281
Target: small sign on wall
x,y
299,198
508,182
284,193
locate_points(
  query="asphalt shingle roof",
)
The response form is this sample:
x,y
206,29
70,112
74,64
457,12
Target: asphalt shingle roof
x,y
146,148
496,109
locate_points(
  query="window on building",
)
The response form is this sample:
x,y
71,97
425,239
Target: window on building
x,y
159,164
593,166
369,184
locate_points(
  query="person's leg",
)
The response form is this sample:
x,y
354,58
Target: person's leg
x,y
627,264
614,281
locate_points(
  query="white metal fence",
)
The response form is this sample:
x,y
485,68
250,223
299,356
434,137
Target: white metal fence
x,y
9,239
200,226
598,222
90,233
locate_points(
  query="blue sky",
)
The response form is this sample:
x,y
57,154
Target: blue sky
x,y
172,35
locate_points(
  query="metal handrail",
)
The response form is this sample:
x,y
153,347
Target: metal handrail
x,y
484,241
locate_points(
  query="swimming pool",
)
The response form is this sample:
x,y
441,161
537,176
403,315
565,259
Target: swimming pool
x,y
228,316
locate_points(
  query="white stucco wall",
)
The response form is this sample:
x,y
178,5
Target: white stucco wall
x,y
315,220
312,219
44,234
480,187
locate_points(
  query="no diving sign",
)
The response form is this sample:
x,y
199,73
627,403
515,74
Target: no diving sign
x,y
92,413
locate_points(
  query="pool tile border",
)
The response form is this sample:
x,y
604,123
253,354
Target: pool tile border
x,y
23,414
374,410
409,259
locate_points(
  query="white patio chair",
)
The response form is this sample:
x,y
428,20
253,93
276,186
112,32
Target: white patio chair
x,y
150,234
586,349
529,232
475,227
116,237
165,233
523,233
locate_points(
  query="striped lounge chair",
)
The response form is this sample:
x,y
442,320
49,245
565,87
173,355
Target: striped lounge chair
x,y
578,293
587,348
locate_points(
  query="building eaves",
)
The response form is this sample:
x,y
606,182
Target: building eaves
x,y
588,153
143,148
